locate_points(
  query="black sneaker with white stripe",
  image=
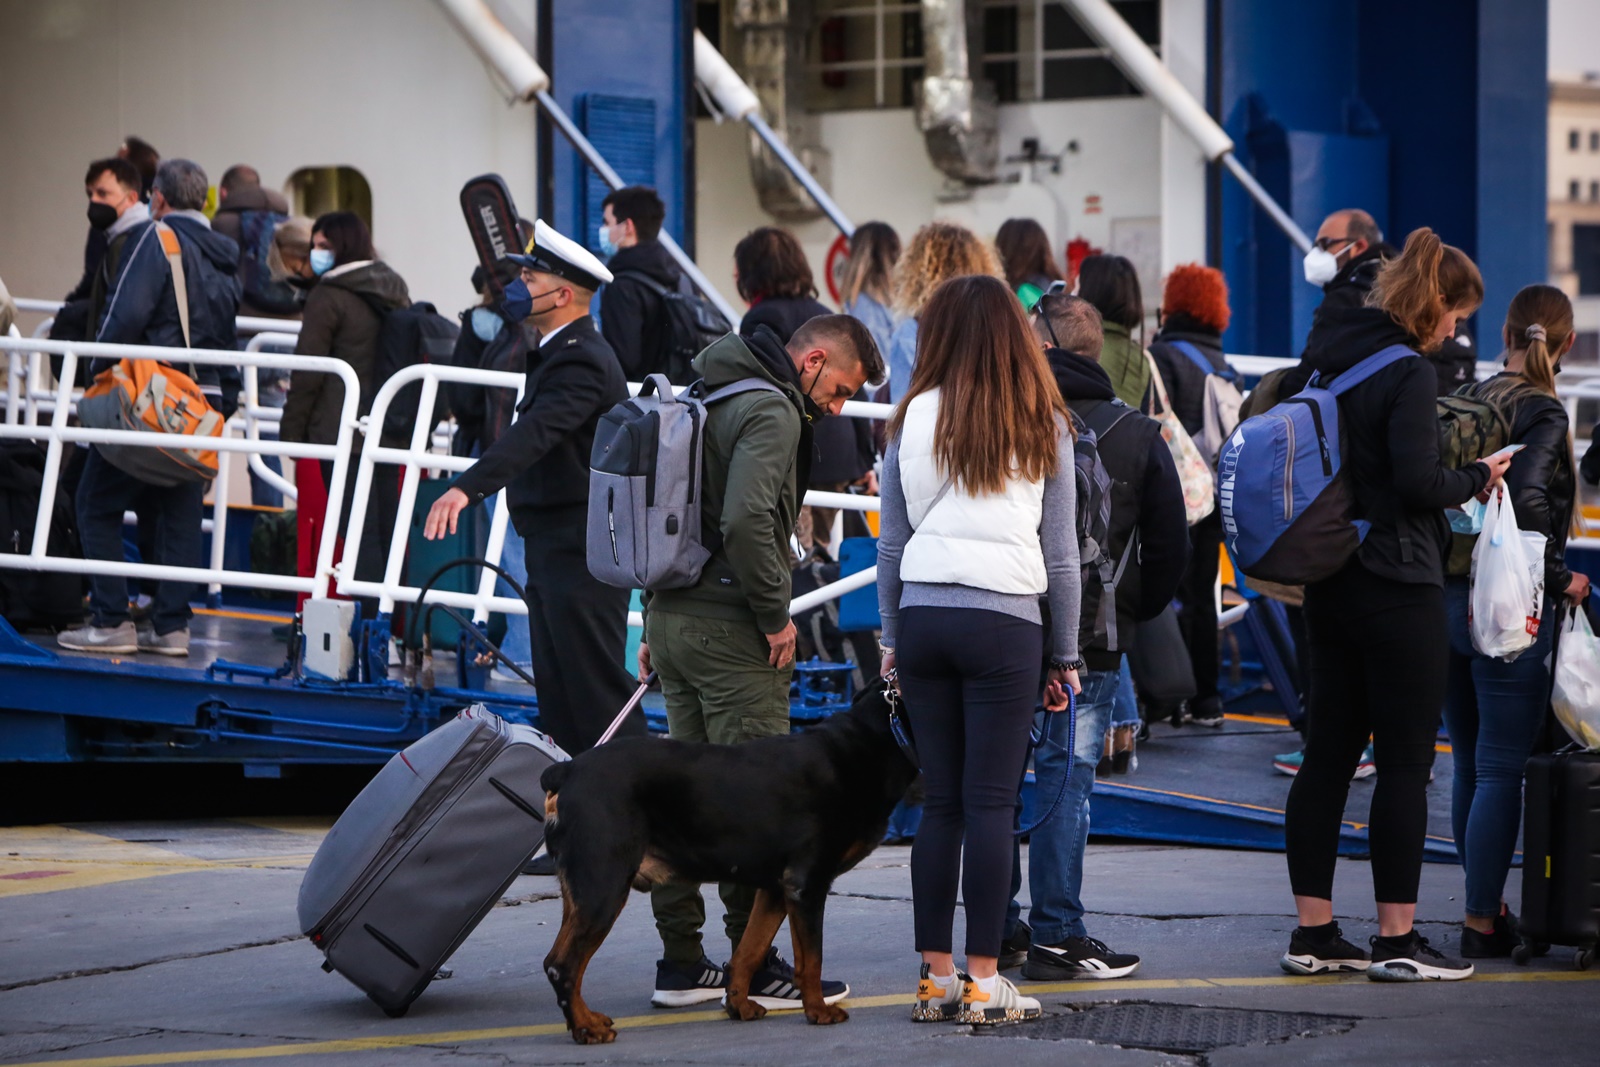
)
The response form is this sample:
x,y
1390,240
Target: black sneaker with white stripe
x,y
679,985
775,988
1325,954
1411,959
1077,957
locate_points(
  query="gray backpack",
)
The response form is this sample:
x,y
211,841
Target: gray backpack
x,y
644,485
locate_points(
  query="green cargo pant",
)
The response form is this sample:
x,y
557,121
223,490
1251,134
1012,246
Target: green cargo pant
x,y
718,688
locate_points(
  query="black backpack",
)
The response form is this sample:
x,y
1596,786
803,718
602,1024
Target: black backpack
x,y
1102,573
410,335
35,599
689,322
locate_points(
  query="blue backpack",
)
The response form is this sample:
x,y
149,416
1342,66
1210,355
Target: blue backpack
x,y
1287,515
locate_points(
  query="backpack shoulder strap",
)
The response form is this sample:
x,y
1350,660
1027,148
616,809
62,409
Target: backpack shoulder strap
x,y
1198,358
180,286
1368,367
644,280
1106,416
743,385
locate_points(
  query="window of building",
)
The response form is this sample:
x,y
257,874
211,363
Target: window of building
x,y
1594,140
1574,189
869,53
1572,140
1594,192
315,191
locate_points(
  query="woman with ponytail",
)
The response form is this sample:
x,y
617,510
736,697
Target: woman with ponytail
x,y
1377,628
1494,709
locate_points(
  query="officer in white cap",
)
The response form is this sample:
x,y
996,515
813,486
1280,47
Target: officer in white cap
x,y
578,625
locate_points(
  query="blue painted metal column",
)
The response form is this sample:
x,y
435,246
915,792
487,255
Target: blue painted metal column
x,y
623,69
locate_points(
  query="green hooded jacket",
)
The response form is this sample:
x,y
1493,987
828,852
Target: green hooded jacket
x,y
750,495
1123,359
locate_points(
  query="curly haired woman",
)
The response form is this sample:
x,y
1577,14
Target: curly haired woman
x,y
938,252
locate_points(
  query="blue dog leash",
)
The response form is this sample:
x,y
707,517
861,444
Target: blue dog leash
x,y
900,727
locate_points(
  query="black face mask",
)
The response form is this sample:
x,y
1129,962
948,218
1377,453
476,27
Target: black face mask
x,y
814,410
101,216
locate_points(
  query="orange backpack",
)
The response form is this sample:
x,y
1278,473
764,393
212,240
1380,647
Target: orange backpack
x,y
147,395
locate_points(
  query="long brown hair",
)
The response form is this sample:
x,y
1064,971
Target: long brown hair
x,y
1428,279
999,406
1538,324
874,250
938,252
771,263
1024,250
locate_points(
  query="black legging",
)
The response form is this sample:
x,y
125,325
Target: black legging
x,y
971,680
1378,655
1199,616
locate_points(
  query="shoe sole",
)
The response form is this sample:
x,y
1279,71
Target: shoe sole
x,y
1208,723
1304,965
996,1016
683,998
1365,771
113,650
162,650
1414,971
786,1004
1040,971
935,1013
1283,769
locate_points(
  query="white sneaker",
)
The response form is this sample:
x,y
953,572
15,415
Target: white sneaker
x,y
936,1005
174,644
92,638
1003,1005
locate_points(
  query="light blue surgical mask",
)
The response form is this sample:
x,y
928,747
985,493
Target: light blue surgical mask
x,y
487,324
321,260
608,247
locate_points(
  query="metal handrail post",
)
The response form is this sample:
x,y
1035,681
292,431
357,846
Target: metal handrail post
x,y
421,437
52,460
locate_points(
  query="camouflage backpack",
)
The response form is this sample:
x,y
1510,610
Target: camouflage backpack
x,y
1469,429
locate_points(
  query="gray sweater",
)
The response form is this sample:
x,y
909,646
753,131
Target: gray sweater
x,y
1057,537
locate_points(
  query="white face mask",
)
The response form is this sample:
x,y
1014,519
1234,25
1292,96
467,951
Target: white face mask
x,y
1321,266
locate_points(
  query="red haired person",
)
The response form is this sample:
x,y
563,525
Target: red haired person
x,y
1187,350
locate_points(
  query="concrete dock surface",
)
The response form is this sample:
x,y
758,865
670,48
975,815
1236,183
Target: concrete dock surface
x,y
175,942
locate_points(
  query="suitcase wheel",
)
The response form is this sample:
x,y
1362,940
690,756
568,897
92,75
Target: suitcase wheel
x,y
1584,958
1521,954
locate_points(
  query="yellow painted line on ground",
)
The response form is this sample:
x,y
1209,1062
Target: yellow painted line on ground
x,y
48,859
1263,720
640,1022
253,616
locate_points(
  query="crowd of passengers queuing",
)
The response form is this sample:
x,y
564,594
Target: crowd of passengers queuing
x,y
989,611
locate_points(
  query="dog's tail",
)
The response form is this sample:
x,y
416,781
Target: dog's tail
x,y
554,776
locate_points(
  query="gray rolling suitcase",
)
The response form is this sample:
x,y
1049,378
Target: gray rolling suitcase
x,y
423,853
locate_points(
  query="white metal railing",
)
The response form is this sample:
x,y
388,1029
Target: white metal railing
x,y
59,432
245,323
418,457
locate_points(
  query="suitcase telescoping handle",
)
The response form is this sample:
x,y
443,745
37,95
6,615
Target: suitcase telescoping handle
x,y
627,709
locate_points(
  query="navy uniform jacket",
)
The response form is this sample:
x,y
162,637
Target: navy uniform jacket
x,y
544,456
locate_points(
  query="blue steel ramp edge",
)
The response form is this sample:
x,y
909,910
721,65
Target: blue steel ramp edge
x,y
1148,814
75,708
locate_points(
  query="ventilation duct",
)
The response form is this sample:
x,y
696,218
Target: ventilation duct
x,y
957,113
773,34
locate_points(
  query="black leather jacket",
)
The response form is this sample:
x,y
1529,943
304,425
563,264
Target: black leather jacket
x,y
1540,478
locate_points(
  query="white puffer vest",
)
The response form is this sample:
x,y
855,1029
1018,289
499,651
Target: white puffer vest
x,y
985,542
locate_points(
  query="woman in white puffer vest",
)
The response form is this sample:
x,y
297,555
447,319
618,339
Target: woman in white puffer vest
x,y
978,526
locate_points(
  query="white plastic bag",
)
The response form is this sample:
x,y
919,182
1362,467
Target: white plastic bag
x,y
1507,583
1576,696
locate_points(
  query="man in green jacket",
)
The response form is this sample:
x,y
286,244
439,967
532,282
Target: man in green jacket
x,y
724,647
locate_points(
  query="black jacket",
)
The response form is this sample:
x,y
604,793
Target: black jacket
x,y
630,311
341,320
843,447
1146,501
1184,380
1389,428
1456,362
1540,477
210,269
544,456
1349,288
1590,466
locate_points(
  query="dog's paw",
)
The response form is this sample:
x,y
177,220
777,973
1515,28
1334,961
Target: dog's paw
x,y
595,1033
827,1014
745,1010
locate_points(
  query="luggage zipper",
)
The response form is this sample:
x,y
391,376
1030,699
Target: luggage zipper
x,y
611,522
1288,472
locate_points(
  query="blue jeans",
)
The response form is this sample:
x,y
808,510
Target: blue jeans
x,y
1055,849
168,516
517,643
1494,711
1125,706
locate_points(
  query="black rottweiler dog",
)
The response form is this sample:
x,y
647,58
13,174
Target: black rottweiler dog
x,y
785,815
